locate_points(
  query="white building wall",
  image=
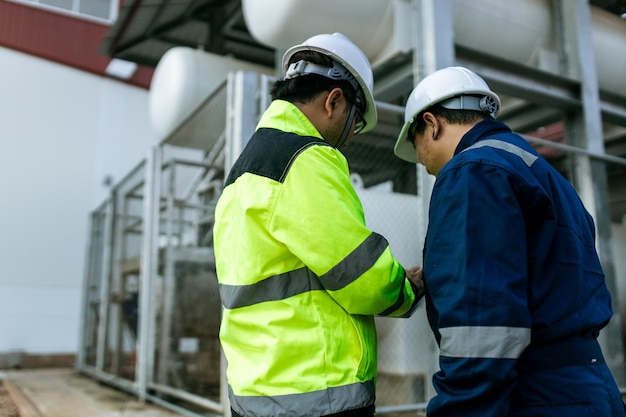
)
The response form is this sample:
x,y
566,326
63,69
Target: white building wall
x,y
62,132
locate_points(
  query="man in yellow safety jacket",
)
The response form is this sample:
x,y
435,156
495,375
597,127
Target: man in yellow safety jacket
x,y
301,277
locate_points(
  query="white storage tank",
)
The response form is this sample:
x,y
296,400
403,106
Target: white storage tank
x,y
609,45
519,30
523,31
183,78
371,24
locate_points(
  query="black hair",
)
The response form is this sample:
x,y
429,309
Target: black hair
x,y
305,88
452,116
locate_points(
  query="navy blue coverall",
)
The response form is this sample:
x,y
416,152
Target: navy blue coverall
x,y
515,292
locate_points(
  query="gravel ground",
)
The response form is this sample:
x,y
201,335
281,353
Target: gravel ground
x,y
7,408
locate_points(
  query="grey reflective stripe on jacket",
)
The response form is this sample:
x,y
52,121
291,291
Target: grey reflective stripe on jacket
x,y
288,284
317,403
526,156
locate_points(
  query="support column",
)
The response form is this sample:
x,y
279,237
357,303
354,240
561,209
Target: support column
x,y
148,273
583,128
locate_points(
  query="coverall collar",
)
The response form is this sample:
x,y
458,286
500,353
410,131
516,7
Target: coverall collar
x,y
477,133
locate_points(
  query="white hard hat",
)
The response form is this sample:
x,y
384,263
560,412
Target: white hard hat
x,y
342,50
453,88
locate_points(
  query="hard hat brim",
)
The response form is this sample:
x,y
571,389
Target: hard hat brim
x,y
403,149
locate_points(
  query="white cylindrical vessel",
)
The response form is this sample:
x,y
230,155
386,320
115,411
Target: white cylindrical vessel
x,y
183,78
284,23
518,30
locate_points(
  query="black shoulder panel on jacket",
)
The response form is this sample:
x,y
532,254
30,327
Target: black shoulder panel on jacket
x,y
269,153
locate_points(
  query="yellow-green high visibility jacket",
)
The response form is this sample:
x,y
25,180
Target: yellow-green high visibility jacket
x,y
300,276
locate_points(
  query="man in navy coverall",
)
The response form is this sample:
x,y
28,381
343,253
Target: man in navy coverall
x,y
515,292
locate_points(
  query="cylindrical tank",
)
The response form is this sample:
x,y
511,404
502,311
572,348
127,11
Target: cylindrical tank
x,y
609,45
284,23
514,29
183,78
519,30
523,31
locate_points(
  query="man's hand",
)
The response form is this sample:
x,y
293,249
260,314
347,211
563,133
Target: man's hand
x,y
415,275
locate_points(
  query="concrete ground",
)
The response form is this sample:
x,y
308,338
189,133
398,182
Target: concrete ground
x,y
66,393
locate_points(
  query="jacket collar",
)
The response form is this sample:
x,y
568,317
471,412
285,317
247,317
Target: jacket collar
x,y
283,115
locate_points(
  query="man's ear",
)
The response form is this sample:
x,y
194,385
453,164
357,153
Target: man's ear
x,y
431,120
334,97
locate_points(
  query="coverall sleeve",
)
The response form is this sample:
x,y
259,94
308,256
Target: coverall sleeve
x,y
475,274
320,219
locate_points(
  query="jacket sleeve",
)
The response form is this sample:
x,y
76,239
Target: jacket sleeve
x,y
328,234
475,274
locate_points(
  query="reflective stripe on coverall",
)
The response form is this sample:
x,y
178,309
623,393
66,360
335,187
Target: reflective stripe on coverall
x,y
515,293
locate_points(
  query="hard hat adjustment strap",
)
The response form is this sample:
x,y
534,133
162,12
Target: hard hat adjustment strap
x,y
336,72
485,104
